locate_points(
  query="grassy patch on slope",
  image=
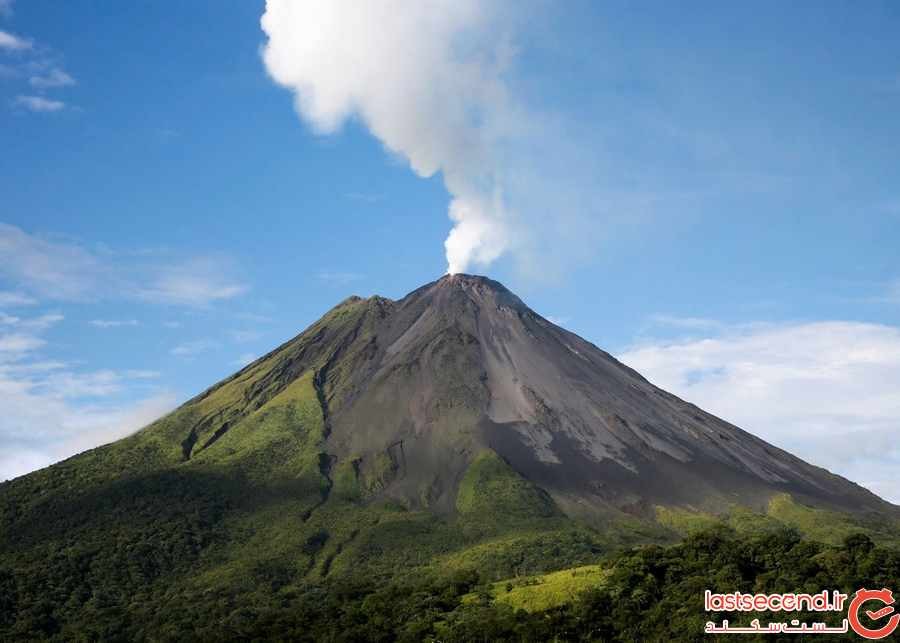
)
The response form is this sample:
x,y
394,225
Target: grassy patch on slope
x,y
783,510
817,524
541,592
491,487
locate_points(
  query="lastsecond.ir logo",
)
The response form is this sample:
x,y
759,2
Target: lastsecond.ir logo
x,y
863,596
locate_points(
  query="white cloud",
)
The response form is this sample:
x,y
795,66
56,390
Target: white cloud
x,y
39,104
802,386
113,323
53,269
53,381
244,359
37,431
19,336
45,366
245,336
11,299
689,323
338,277
54,78
68,271
199,282
193,348
42,322
69,385
51,412
11,42
14,345
869,457
142,374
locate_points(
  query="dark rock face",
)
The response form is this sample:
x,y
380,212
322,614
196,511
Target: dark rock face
x,y
414,389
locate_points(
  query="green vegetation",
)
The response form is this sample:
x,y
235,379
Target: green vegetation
x,y
492,487
541,592
684,521
132,591
542,548
782,511
818,524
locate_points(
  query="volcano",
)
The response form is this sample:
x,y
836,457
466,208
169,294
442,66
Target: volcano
x,y
453,428
413,391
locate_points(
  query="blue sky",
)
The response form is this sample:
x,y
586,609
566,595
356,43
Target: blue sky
x,y
710,192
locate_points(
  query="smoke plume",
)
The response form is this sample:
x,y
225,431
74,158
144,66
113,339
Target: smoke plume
x,y
428,80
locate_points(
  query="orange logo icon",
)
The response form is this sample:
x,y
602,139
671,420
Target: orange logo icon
x,y
885,597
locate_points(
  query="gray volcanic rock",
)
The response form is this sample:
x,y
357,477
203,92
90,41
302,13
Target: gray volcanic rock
x,y
418,387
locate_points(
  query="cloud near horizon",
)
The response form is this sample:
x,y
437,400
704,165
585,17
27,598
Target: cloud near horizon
x,y
54,78
64,429
189,350
39,104
12,42
825,391
51,410
15,299
197,282
113,323
67,271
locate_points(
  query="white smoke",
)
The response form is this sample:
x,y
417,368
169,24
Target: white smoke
x,y
427,79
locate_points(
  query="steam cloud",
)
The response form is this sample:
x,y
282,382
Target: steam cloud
x,y
428,80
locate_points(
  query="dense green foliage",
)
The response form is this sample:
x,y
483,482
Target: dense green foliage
x,y
649,593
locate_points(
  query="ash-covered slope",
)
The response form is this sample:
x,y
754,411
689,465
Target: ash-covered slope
x,y
413,390
462,364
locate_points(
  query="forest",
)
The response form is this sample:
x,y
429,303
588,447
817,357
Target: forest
x,y
645,593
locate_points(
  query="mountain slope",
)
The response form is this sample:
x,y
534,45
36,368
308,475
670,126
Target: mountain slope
x,y
462,364
452,429
412,391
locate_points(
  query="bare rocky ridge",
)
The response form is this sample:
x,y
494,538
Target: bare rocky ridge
x,y
412,390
